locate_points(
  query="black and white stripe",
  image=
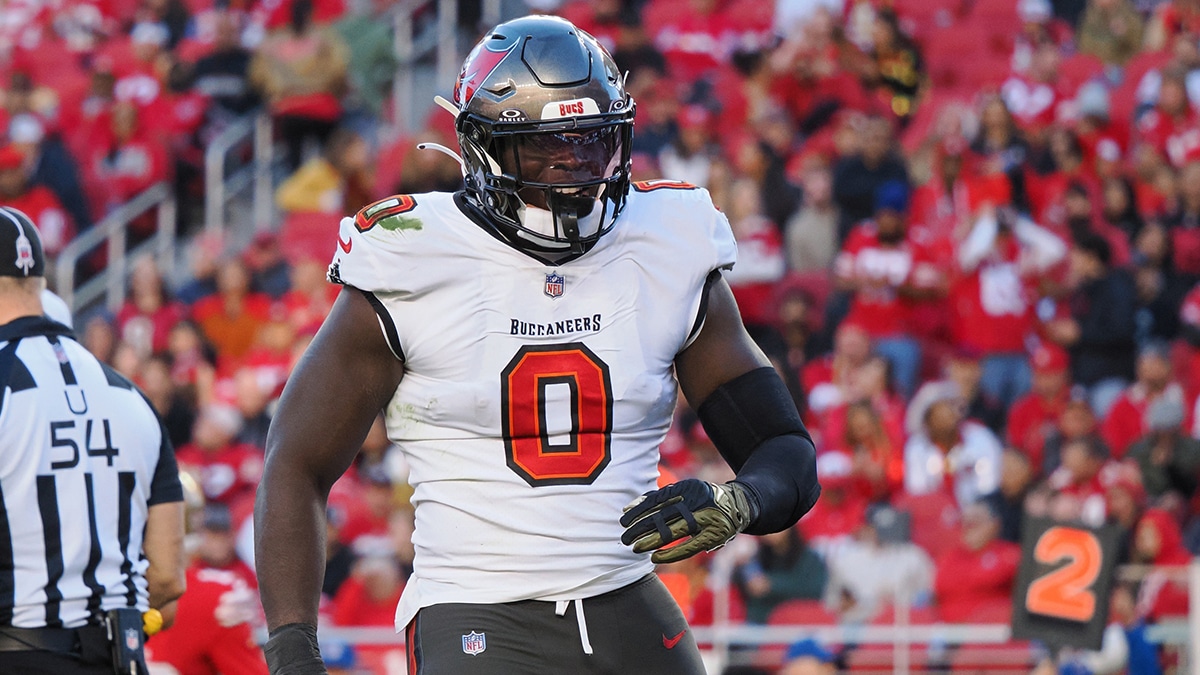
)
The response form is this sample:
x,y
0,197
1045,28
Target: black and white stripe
x,y
72,513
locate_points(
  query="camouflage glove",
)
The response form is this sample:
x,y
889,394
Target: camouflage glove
x,y
707,513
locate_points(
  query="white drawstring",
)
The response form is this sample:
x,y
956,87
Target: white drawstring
x,y
560,608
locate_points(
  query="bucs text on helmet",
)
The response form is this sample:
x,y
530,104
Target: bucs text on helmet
x,y
543,120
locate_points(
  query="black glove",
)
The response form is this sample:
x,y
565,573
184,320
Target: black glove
x,y
710,514
292,650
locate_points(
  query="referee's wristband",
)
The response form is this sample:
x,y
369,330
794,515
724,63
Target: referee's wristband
x,y
292,650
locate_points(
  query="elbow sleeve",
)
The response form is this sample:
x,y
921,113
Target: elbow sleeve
x,y
754,424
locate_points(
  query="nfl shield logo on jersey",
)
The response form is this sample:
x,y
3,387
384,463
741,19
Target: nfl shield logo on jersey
x,y
474,643
132,639
554,284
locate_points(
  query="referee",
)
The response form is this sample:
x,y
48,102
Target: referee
x,y
91,510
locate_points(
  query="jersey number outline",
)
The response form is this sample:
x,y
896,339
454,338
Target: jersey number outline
x,y
372,213
661,184
527,446
1066,592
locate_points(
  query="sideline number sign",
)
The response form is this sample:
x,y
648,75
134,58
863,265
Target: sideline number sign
x,y
1063,583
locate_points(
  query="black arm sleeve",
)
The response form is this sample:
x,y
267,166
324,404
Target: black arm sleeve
x,y
755,426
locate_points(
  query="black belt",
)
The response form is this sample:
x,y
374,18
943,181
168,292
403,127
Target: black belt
x,y
60,640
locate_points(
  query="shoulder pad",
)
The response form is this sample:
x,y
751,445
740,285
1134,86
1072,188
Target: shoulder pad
x,y
384,213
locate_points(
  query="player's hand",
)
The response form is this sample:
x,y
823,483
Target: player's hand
x,y
292,650
706,513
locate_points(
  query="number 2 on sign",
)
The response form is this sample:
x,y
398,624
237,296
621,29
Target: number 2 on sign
x,y
1066,593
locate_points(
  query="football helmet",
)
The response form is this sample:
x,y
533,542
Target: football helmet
x,y
545,127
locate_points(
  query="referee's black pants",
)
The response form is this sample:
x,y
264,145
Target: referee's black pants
x,y
79,651
50,663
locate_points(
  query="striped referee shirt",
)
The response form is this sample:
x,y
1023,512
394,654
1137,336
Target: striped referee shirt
x,y
82,458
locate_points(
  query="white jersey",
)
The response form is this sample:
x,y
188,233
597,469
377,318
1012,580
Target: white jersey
x,y
84,457
534,396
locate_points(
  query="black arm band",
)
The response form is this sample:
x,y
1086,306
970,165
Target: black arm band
x,y
754,424
292,650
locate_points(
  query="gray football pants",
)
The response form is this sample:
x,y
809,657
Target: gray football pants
x,y
632,630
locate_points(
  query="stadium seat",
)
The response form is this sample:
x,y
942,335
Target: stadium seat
x,y
389,164
659,13
917,616
801,613
1013,657
309,235
882,659
1123,100
986,70
1078,69
792,613
991,612
992,10
921,17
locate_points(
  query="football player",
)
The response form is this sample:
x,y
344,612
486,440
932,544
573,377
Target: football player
x,y
525,337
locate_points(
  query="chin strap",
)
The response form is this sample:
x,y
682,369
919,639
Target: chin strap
x,y
567,215
570,225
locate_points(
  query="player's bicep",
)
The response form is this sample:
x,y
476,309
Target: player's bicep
x,y
721,352
347,375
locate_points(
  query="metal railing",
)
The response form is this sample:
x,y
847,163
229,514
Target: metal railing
x,y
219,190
113,232
408,112
728,643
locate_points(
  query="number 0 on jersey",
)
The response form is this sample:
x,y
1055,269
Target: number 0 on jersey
x,y
531,451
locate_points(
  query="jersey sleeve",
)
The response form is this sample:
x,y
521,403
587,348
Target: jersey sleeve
x,y
710,239
165,486
376,253
724,245
686,215
370,244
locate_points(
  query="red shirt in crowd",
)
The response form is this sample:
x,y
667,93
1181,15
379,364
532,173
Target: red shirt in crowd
x,y
354,606
149,331
1031,102
207,638
696,44
1031,419
761,256
1173,137
1126,421
969,580
994,304
1161,596
270,368
833,521
1189,316
882,270
55,226
117,172
226,474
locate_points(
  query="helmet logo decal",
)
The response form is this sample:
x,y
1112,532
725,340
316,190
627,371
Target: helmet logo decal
x,y
573,108
476,70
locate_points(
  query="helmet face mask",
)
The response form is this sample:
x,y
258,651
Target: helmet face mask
x,y
545,129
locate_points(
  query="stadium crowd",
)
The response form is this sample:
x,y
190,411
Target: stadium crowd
x,y
969,239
